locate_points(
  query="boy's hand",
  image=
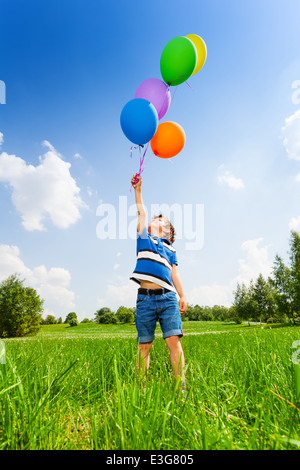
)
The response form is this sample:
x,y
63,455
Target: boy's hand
x,y
182,305
136,182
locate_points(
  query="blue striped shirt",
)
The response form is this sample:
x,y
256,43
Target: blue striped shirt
x,y
155,258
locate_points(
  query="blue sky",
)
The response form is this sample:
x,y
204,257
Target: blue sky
x,y
69,67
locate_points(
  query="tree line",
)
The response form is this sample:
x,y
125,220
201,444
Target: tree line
x,y
275,299
103,315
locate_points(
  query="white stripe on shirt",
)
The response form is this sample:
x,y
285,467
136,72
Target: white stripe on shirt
x,y
137,277
154,257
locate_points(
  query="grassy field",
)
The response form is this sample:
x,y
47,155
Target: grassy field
x,y
76,388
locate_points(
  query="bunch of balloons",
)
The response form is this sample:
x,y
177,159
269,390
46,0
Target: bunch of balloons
x,y
182,57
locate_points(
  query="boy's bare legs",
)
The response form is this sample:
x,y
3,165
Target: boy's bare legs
x,y
143,359
176,356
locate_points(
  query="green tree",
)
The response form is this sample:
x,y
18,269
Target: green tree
x,y
20,308
274,313
206,314
263,296
190,312
219,312
102,311
70,316
232,314
125,315
50,320
283,283
197,312
108,317
294,254
243,303
225,316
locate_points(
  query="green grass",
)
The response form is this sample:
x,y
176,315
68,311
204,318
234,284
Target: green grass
x,y
76,388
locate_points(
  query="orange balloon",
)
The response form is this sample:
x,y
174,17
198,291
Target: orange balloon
x,y
168,140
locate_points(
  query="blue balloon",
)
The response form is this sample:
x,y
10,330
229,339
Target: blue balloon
x,y
139,121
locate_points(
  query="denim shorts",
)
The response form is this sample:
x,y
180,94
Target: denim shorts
x,y
165,309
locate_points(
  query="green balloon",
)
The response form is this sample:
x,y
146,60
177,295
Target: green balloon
x,y
178,61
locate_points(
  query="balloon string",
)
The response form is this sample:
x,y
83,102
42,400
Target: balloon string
x,y
189,86
165,98
175,79
166,93
180,76
142,158
132,148
174,92
142,161
163,103
169,85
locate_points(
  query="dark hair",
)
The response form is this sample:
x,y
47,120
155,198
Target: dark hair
x,y
172,233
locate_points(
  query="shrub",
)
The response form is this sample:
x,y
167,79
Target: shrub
x,y
70,316
125,315
108,318
20,309
101,312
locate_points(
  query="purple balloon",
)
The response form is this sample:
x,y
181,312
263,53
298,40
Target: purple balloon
x,y
157,92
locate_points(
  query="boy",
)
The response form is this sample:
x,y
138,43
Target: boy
x,y
156,272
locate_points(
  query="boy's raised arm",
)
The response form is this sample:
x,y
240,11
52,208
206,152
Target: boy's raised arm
x,y
136,182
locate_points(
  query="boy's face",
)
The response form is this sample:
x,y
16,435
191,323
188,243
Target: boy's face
x,y
159,227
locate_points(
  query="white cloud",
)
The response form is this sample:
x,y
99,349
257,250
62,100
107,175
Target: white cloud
x,y
210,295
77,155
291,142
91,192
124,293
59,301
1,139
230,180
47,190
55,276
10,262
294,224
255,262
46,143
291,135
52,285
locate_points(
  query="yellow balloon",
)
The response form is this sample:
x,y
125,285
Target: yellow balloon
x,y
201,51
